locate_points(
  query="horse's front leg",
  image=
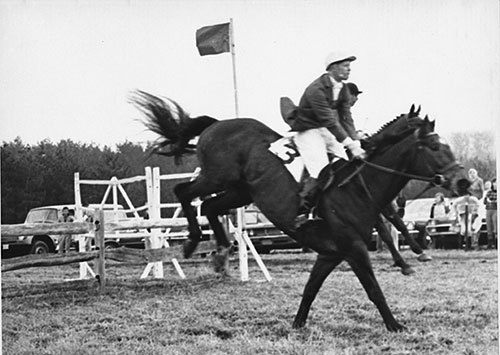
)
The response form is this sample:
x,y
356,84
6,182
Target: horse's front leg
x,y
384,233
185,193
391,215
359,261
212,209
322,268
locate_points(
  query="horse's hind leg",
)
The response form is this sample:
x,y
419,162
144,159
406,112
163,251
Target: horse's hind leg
x,y
322,268
215,207
384,233
360,263
186,192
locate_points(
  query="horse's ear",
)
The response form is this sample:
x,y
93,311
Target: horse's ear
x,y
412,110
418,111
430,123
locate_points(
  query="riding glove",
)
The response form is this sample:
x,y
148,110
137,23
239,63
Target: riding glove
x,y
354,147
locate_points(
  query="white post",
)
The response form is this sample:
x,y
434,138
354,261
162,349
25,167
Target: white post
x,y
155,232
82,240
233,57
154,213
242,248
256,255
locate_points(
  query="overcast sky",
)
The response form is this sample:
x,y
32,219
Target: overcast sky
x,y
67,67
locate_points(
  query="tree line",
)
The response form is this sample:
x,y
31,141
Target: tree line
x,y
43,174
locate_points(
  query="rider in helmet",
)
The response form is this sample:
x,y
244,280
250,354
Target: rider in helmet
x,y
324,124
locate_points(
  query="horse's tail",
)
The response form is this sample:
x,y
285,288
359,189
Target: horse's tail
x,y
171,123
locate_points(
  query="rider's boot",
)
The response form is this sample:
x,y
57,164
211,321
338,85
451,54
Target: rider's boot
x,y
310,194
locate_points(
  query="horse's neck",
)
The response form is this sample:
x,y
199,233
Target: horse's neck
x,y
384,186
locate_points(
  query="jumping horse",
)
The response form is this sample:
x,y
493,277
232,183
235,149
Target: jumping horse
x,y
238,167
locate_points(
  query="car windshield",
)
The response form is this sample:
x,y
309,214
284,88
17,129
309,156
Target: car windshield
x,y
39,216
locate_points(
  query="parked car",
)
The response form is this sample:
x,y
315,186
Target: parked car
x,y
36,244
42,244
445,233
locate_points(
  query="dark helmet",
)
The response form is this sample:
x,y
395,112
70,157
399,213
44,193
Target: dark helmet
x,y
353,89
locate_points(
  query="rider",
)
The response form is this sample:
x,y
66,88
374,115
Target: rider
x,y
324,124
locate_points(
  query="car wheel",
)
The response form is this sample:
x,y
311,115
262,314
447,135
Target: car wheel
x,y
263,250
110,246
40,247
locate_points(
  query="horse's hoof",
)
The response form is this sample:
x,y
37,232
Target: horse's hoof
x,y
395,327
189,247
220,261
424,257
407,271
298,324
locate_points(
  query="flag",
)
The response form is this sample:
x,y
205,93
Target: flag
x,y
213,39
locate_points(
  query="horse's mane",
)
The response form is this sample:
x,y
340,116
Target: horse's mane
x,y
393,131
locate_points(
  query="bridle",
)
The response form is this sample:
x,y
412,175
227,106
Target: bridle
x,y
436,180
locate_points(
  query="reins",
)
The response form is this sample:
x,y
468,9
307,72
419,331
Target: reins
x,y
435,180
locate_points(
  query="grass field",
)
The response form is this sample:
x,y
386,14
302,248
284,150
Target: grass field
x,y
450,306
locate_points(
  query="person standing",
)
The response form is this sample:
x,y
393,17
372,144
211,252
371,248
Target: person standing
x,y
324,124
477,184
65,239
466,209
487,186
490,200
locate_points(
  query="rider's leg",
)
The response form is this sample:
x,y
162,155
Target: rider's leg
x,y
312,148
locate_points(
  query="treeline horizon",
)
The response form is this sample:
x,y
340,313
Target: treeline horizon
x,y
42,174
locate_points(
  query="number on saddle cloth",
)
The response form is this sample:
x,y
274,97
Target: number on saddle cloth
x,y
285,149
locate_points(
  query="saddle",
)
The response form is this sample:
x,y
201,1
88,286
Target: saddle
x,y
288,110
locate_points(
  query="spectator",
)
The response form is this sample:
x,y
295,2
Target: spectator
x,y
487,187
440,208
466,208
490,200
477,186
65,239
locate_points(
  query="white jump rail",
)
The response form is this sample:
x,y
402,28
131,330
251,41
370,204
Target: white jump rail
x,y
156,238
114,186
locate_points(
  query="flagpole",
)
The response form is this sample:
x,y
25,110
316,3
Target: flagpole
x,y
242,247
233,57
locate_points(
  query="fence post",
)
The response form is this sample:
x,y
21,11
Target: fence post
x,y
99,237
466,226
242,246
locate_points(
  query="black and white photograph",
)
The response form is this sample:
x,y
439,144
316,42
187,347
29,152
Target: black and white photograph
x,y
249,177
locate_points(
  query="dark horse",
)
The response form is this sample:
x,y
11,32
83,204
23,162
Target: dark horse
x,y
237,166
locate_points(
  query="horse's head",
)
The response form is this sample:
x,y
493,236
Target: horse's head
x,y
433,157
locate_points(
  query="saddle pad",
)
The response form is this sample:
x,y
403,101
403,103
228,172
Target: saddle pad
x,y
287,151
